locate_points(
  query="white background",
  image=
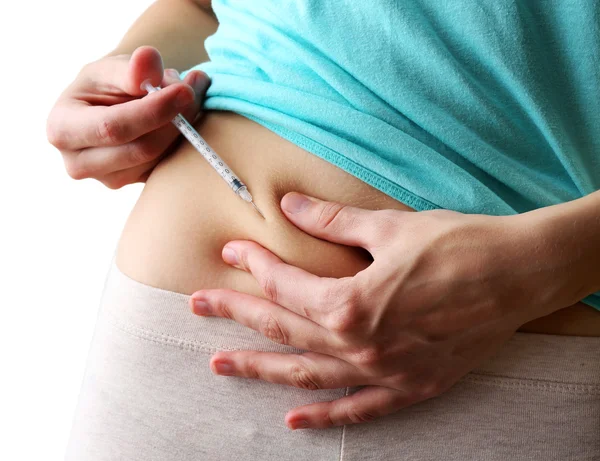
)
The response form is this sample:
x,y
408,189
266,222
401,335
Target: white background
x,y
57,235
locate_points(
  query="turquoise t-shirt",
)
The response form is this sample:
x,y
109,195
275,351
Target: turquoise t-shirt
x,y
478,106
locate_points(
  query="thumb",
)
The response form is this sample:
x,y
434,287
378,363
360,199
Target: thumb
x,y
145,63
333,221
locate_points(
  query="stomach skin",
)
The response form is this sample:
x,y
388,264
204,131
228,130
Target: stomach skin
x,y
186,213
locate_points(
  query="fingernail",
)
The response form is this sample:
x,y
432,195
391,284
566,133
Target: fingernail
x,y
299,424
224,368
230,256
201,307
199,82
295,203
183,98
172,73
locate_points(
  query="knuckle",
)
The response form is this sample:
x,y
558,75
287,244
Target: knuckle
x,y
342,321
244,256
75,170
409,348
270,327
85,71
54,134
109,131
346,316
329,211
143,152
384,226
300,377
330,298
430,390
88,68
357,415
400,380
253,368
350,297
369,357
158,115
329,422
221,308
115,182
112,184
269,285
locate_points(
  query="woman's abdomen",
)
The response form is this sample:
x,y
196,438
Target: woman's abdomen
x,y
186,213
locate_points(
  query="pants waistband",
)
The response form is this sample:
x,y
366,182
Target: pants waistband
x,y
166,316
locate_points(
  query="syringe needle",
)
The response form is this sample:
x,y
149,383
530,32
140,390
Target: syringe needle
x,y
256,208
224,170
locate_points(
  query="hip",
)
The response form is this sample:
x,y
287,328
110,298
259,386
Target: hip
x,y
148,393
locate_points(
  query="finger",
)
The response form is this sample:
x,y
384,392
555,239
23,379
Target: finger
x,y
200,82
363,406
85,126
121,76
289,286
272,321
145,63
338,223
170,76
309,371
98,162
155,141
76,121
140,173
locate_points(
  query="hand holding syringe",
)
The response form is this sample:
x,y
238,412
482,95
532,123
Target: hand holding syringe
x,y
210,155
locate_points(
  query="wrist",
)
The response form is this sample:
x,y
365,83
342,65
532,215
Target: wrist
x,y
564,240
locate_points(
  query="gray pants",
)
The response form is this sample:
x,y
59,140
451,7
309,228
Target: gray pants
x,y
148,394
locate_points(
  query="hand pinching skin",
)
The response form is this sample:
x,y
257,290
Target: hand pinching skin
x,y
437,300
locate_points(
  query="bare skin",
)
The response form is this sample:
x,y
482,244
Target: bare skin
x,y
178,229
176,27
174,237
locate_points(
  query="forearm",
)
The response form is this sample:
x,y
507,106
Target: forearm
x,y
569,234
176,28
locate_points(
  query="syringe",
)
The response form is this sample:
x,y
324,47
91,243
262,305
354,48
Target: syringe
x,y
209,154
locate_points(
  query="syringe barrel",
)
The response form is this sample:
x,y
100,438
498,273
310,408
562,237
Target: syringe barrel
x,y
204,149
210,155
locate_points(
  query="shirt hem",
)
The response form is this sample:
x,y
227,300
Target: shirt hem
x,y
379,182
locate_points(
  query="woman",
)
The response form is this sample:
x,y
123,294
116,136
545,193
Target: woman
x,y
420,108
